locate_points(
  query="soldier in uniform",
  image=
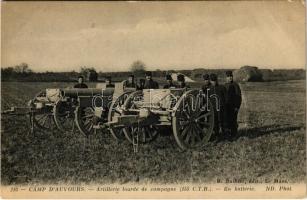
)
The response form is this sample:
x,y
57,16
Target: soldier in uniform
x,y
170,83
109,83
207,84
217,98
80,83
233,103
130,83
150,83
181,81
141,84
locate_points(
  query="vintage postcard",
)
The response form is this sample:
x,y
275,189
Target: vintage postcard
x,y
161,99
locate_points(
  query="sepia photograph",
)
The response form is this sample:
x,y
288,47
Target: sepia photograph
x,y
153,99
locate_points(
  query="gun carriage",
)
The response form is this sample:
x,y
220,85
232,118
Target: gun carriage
x,y
135,115
189,113
69,107
91,113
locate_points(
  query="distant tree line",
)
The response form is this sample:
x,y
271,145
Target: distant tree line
x,y
22,72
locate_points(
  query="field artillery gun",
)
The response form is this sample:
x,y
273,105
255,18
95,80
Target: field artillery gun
x,y
49,109
41,110
92,111
69,107
189,113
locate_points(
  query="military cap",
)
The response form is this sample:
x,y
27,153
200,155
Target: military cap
x,y
206,77
80,77
213,77
168,77
228,73
131,75
180,77
148,73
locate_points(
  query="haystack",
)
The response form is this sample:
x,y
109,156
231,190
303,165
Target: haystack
x,y
247,74
187,79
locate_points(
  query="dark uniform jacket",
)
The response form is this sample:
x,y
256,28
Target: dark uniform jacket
x,y
172,85
184,85
151,84
130,85
218,91
205,87
233,95
80,85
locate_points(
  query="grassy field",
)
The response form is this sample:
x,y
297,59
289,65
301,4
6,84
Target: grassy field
x,y
271,145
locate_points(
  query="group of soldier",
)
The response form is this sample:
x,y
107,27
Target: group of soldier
x,y
229,101
226,102
149,83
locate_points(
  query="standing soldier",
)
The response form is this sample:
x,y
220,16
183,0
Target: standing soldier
x,y
207,84
217,98
233,103
141,84
81,83
170,83
181,80
109,83
130,83
149,83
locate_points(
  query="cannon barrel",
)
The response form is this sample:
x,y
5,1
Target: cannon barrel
x,y
77,92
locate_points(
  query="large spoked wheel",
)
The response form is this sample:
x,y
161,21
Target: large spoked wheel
x,y
43,119
85,120
63,113
193,121
115,110
143,134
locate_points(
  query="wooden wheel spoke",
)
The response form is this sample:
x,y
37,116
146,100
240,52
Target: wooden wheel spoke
x,y
46,122
183,124
187,138
187,114
205,124
199,131
45,119
89,127
40,117
87,116
193,136
185,132
188,110
87,122
203,116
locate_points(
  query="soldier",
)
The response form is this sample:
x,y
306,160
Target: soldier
x,y
170,83
181,80
233,103
130,83
141,84
207,84
109,83
149,83
81,83
217,98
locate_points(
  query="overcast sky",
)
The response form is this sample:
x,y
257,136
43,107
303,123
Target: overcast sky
x,y
62,36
